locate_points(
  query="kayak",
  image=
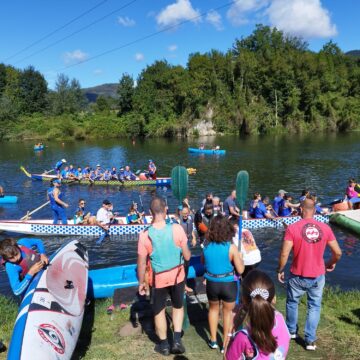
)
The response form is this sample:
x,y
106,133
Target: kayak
x,y
38,148
8,199
51,313
160,181
206,151
103,282
45,227
349,220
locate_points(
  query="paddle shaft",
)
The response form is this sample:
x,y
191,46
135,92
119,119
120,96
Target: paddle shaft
x,y
35,210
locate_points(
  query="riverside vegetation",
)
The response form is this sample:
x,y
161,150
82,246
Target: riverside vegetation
x,y
266,82
339,336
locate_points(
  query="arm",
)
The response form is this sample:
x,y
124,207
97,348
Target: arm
x,y
234,210
141,263
336,255
56,197
284,256
237,259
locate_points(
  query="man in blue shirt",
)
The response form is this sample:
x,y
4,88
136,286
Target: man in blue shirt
x,y
279,201
230,207
58,165
128,174
262,209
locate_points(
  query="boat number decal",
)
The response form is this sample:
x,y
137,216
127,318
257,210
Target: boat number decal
x,y
53,336
312,233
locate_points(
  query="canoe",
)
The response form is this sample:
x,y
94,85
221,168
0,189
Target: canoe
x,y
51,313
161,181
349,220
8,199
38,148
103,282
206,151
46,227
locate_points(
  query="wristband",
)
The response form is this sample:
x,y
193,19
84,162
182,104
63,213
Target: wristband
x,y
279,271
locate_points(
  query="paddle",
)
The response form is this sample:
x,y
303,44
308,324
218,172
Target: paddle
x,y
179,186
48,172
34,211
242,187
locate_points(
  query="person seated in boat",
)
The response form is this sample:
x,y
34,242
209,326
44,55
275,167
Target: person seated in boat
x,y
72,174
78,218
151,174
88,218
352,194
65,173
134,216
21,262
122,175
58,166
113,173
92,176
278,201
85,172
98,173
58,206
2,194
260,209
230,207
288,208
107,175
201,146
105,216
128,174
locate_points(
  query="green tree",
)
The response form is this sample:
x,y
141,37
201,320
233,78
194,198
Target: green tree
x,y
125,92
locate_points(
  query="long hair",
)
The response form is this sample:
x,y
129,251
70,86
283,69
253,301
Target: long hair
x,y
220,230
258,291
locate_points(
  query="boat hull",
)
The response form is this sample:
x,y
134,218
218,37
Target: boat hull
x,y
349,220
206,151
46,228
8,199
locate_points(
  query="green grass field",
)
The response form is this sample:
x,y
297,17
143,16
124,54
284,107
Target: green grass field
x,y
338,333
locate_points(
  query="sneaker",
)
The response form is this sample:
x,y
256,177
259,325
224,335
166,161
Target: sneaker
x,y
311,346
162,350
213,344
222,350
177,348
293,336
110,309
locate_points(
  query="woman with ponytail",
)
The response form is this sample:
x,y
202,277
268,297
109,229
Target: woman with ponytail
x,y
263,334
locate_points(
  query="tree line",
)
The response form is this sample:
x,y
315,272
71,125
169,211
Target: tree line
x,y
266,82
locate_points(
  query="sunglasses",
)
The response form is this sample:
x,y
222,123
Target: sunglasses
x,y
82,203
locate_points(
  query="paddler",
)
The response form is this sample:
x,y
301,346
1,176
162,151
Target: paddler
x,y
230,207
58,165
21,262
279,201
57,204
151,170
128,174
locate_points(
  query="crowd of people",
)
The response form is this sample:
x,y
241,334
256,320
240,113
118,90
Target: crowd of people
x,y
121,174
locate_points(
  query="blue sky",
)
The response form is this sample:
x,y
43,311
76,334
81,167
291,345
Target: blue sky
x,y
74,49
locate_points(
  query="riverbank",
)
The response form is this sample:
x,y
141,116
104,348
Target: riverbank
x,y
338,333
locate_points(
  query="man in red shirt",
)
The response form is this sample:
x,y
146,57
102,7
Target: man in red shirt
x,y
307,239
166,247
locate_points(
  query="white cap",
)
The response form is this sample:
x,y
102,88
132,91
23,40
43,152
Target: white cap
x,y
98,165
63,160
282,192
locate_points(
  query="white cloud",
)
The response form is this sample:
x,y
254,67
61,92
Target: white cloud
x,y
139,57
172,47
179,11
239,11
126,21
305,18
98,71
75,56
214,18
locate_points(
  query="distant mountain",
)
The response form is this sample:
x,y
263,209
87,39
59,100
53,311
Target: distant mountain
x,y
92,93
354,53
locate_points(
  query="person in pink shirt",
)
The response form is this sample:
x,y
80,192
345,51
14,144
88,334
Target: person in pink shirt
x,y
165,245
265,335
352,194
307,239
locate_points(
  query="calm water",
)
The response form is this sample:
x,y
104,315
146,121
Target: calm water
x,y
322,163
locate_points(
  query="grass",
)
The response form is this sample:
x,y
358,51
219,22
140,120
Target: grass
x,y
338,333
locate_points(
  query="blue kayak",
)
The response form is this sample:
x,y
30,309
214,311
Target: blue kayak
x,y
206,151
103,282
38,148
8,199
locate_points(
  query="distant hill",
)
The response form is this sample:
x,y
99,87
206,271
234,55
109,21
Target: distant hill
x,y
92,93
354,53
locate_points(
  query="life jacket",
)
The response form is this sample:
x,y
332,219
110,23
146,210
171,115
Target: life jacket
x,y
187,226
165,255
53,202
31,257
205,223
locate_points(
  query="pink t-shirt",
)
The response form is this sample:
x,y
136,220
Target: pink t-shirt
x,y
309,238
173,276
243,347
351,193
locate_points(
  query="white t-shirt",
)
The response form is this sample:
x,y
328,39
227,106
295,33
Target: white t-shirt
x,y
103,216
250,252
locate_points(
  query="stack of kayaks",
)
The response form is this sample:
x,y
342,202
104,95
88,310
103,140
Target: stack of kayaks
x,y
349,219
206,151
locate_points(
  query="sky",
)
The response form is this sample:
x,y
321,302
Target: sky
x,y
96,41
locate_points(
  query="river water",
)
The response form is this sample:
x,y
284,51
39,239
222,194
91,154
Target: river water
x,y
322,163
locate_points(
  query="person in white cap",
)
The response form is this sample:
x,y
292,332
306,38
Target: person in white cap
x,y
58,165
279,201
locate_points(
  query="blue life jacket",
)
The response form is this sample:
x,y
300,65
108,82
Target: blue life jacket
x,y
53,202
58,165
165,255
277,204
285,211
260,210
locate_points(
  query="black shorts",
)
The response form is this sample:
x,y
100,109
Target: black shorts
x,y
225,291
176,293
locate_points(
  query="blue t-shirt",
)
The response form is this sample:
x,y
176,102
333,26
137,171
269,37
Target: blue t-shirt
x,y
277,204
260,210
228,203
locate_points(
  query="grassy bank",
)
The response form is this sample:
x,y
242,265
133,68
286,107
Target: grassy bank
x,y
338,333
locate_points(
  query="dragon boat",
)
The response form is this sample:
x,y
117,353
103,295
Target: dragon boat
x,y
160,181
45,227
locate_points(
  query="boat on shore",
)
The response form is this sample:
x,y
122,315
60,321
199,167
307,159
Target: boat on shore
x,y
206,151
160,181
349,219
8,199
45,227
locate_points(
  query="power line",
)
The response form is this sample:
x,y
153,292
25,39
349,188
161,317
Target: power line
x,y
148,36
56,30
76,32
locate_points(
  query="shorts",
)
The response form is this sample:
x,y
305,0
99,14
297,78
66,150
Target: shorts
x,y
225,291
160,295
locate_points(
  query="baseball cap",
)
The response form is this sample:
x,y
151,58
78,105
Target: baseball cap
x,y
150,160
98,165
282,191
63,160
106,202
